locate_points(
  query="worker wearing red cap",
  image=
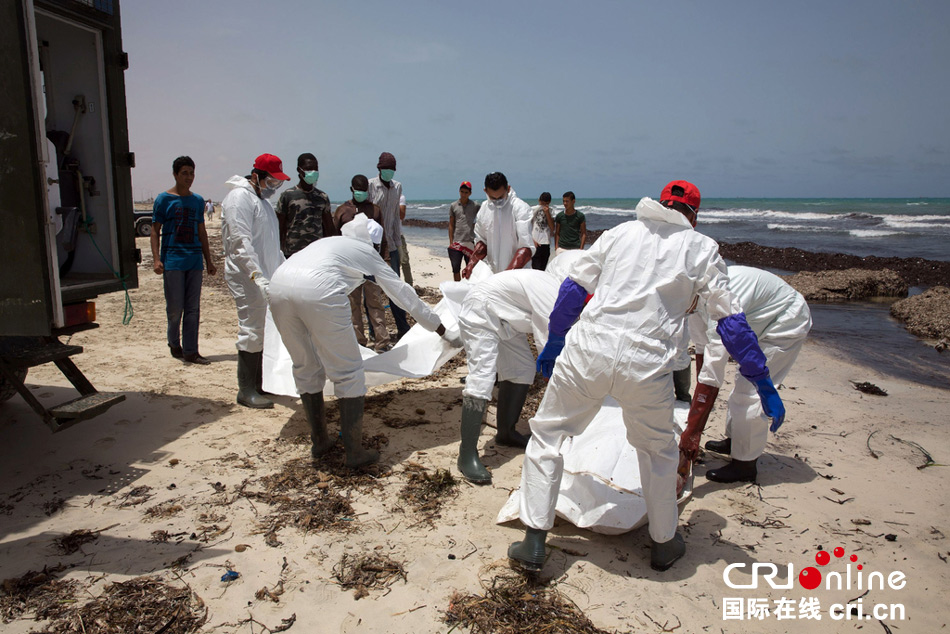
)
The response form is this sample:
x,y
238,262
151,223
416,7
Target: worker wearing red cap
x,y
250,233
644,275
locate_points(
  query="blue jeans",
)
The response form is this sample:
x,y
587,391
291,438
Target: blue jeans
x,y
183,308
398,314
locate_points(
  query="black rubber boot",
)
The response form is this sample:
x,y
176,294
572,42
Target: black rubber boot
x,y
247,370
723,446
317,417
682,380
351,425
663,555
259,375
735,471
529,553
473,410
511,398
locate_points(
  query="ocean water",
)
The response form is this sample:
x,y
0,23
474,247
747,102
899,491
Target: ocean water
x,y
862,332
886,227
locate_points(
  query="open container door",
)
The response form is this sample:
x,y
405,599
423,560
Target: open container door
x,y
26,289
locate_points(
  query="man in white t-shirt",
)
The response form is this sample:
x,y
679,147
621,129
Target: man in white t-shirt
x,y
542,228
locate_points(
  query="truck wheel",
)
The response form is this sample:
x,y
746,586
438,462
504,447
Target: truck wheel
x,y
7,389
143,228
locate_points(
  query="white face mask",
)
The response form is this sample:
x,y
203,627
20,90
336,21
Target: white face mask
x,y
270,186
500,202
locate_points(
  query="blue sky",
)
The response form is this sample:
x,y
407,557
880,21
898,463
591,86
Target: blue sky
x,y
605,98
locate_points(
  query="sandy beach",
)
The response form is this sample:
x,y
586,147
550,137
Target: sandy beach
x,y
180,482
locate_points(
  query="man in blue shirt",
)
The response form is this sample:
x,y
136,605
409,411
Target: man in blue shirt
x,y
178,217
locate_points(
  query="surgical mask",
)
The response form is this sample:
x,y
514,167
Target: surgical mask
x,y
359,196
499,202
387,175
311,177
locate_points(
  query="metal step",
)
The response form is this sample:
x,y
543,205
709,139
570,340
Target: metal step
x,y
71,412
28,355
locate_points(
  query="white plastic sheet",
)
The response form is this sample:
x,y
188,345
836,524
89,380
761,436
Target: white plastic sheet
x,y
600,489
419,353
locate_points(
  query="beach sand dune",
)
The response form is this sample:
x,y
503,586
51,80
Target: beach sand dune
x,y
178,481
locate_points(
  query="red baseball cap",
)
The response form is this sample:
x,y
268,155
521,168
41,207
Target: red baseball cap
x,y
272,165
690,195
467,185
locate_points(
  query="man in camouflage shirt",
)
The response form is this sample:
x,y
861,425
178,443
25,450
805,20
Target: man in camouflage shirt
x,y
304,211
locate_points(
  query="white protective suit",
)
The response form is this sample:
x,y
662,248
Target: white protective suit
x,y
779,316
251,237
644,276
309,299
504,230
495,317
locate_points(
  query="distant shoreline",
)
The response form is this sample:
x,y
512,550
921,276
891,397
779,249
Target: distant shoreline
x,y
914,271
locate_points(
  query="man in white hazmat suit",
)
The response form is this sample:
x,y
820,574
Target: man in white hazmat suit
x,y
644,276
496,315
502,229
309,299
250,233
779,316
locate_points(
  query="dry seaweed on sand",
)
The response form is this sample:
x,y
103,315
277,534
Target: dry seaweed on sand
x,y
363,479
402,423
324,510
301,496
143,604
68,544
53,506
425,492
135,496
74,541
303,475
169,508
868,388
365,572
533,400
38,593
513,603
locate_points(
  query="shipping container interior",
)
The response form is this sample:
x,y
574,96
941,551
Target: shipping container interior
x,y
81,201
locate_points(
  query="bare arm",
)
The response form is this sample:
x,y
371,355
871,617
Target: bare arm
x,y
583,234
282,222
157,265
451,228
557,235
206,249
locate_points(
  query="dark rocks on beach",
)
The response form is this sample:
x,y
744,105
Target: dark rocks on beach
x,y
926,315
848,284
914,271
428,224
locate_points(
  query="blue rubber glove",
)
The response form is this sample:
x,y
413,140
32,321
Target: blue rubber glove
x,y
771,402
742,344
549,355
568,306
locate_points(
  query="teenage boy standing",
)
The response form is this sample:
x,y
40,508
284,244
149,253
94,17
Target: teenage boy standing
x,y
571,226
178,217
